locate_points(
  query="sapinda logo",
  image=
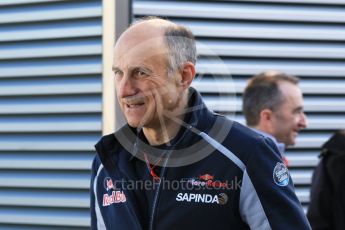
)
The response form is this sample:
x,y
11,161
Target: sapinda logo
x,y
221,198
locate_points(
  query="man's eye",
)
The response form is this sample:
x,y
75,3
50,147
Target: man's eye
x,y
298,111
141,73
117,73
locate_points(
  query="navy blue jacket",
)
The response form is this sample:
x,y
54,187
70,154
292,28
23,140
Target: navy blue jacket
x,y
234,178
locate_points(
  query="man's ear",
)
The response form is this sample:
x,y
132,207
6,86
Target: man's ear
x,y
266,115
187,72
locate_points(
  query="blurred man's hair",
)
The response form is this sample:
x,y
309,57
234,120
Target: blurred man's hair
x,y
262,92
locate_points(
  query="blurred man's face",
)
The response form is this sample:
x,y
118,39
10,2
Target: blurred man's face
x,y
144,89
289,118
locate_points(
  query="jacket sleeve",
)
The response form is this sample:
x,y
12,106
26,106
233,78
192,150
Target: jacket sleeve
x,y
320,207
92,195
267,197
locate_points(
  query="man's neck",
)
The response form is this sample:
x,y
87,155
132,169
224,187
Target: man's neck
x,y
168,127
281,146
162,134
260,130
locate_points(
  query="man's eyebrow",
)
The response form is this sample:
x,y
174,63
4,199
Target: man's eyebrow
x,y
299,108
114,68
144,68
134,68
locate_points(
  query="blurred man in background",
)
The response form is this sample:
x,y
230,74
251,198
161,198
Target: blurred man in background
x,y
327,200
273,107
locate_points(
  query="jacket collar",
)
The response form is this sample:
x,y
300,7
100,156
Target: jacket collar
x,y
280,146
197,117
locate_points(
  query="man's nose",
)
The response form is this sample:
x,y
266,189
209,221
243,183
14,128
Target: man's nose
x,y
303,123
125,87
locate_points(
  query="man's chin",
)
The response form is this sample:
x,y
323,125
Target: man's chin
x,y
291,143
135,123
132,125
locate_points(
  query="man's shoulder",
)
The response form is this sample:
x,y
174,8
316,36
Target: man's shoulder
x,y
244,136
112,143
113,139
243,141
236,133
107,141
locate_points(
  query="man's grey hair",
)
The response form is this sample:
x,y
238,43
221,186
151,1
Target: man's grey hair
x,y
180,42
262,92
181,47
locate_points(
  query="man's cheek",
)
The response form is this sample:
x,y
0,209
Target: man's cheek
x,y
159,103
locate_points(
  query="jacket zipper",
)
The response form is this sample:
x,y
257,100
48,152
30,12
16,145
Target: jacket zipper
x,y
155,198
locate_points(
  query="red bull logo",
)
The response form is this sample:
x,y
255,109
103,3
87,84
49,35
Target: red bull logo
x,y
108,183
114,198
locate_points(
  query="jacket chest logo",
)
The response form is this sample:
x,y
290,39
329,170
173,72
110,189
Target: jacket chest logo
x,y
116,196
207,181
221,198
281,175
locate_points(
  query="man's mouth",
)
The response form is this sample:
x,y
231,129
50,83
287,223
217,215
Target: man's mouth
x,y
133,102
134,106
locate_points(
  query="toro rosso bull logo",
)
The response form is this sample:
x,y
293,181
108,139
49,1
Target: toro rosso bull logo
x,y
206,177
115,196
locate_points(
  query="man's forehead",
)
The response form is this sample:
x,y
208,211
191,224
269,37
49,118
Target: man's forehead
x,y
142,32
139,51
289,88
137,45
154,26
140,43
